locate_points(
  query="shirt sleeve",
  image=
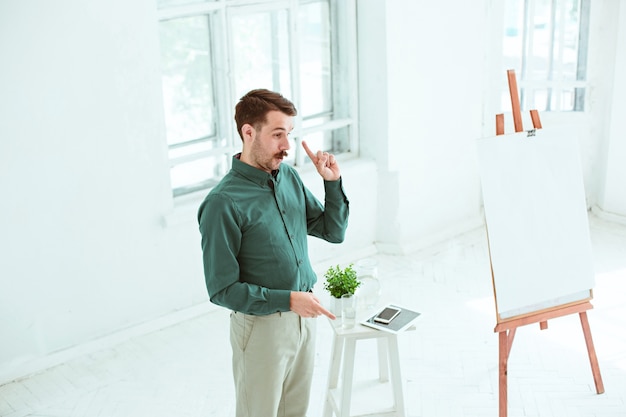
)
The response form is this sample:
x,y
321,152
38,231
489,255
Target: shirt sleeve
x,y
331,221
221,234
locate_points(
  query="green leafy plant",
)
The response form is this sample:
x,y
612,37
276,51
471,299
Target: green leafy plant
x,y
341,281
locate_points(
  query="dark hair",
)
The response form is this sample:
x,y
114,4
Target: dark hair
x,y
254,106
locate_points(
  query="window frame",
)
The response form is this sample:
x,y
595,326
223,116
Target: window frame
x,y
579,86
342,14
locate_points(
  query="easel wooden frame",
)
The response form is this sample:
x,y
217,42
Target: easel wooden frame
x,y
506,327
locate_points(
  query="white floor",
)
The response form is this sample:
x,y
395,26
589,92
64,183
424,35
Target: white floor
x,y
449,363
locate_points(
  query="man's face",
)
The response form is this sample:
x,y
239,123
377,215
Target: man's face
x,y
270,143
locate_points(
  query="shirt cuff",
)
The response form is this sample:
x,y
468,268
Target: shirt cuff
x,y
280,300
335,188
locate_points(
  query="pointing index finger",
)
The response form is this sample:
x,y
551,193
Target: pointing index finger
x,y
308,151
328,314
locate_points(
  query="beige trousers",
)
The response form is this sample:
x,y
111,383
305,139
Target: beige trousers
x,y
272,363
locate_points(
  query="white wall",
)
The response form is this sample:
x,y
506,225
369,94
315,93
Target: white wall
x,y
612,200
422,84
91,241
430,83
84,182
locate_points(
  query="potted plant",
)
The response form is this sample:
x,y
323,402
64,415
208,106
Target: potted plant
x,y
340,281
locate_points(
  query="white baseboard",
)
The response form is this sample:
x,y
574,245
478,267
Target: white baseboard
x,y
608,216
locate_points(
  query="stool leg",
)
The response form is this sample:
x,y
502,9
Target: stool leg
x,y
348,374
333,373
396,378
383,361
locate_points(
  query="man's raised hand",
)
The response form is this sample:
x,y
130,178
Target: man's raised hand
x,y
324,162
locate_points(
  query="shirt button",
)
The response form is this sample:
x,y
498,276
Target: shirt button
x,y
300,262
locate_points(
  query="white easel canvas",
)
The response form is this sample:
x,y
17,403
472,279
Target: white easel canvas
x,y
537,222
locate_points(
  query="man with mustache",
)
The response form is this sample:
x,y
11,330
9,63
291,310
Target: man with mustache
x,y
254,226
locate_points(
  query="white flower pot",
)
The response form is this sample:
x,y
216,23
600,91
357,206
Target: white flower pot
x,y
335,306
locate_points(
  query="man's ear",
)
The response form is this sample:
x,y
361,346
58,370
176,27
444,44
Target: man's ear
x,y
247,132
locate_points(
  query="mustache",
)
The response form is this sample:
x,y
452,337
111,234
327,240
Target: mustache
x,y
282,154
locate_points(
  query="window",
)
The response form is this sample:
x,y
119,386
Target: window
x,y
213,52
546,43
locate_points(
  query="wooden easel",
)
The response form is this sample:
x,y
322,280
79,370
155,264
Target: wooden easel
x,y
506,328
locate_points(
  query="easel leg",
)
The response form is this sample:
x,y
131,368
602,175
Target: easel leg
x,y
502,380
506,341
506,332
595,368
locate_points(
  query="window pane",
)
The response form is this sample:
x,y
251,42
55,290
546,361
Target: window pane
x,y
539,42
261,52
512,43
335,141
567,45
199,171
567,100
205,146
545,41
229,47
186,78
168,3
315,59
537,99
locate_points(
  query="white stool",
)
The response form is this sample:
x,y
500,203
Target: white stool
x,y
344,346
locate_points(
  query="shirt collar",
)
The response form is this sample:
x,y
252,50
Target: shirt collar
x,y
253,174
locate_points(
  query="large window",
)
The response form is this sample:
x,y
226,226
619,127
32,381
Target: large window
x,y
213,52
546,43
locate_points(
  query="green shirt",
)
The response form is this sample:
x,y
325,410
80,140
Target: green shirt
x,y
254,228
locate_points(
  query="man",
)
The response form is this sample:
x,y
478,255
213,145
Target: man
x,y
254,227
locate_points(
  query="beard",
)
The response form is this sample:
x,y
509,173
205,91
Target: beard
x,y
262,159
